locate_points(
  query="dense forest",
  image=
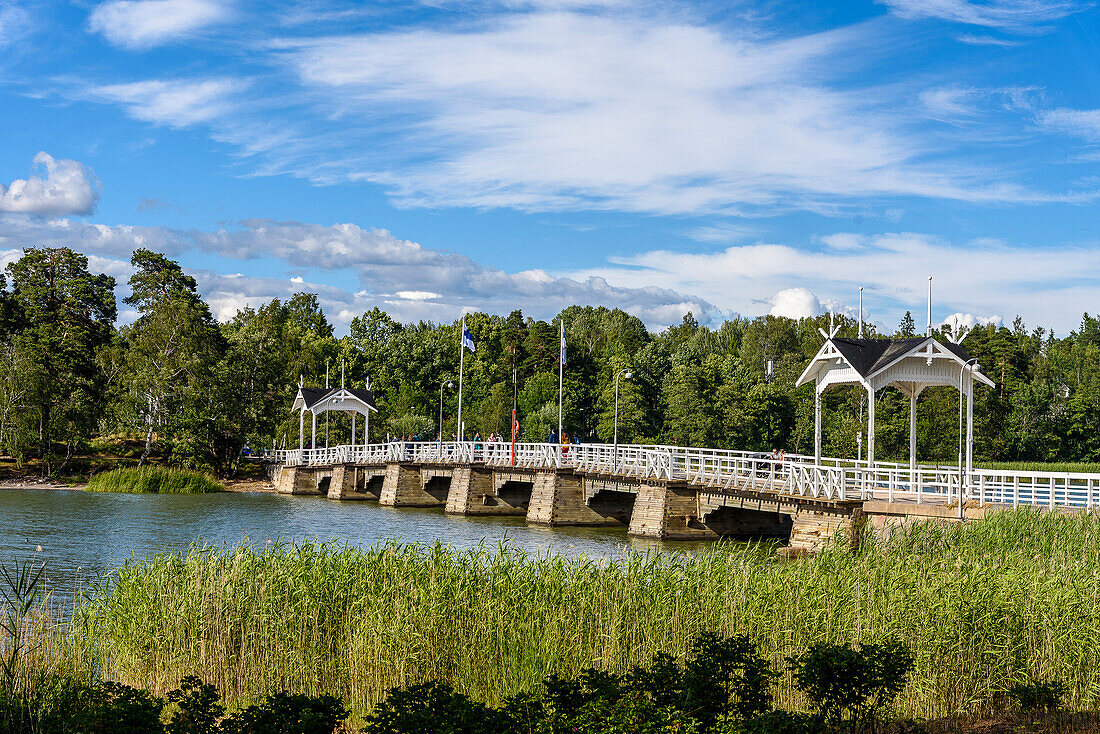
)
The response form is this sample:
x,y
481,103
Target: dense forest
x,y
196,391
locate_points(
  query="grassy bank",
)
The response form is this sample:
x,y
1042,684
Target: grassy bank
x,y
154,480
982,605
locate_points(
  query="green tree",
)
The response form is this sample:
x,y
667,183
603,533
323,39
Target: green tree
x,y
64,315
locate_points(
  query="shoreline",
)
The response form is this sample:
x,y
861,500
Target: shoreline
x,y
237,486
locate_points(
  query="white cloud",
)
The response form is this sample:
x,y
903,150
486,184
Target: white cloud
x,y
142,24
969,320
795,303
1018,16
572,110
173,102
68,187
1049,285
1080,123
412,281
15,23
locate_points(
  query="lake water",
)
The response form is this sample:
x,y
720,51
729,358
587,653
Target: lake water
x,y
82,536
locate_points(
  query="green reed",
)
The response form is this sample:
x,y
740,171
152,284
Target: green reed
x,y
153,479
982,605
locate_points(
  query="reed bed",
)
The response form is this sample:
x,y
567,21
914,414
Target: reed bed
x,y
1073,467
155,479
983,605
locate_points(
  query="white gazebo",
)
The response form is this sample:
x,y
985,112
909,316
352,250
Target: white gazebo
x,y
910,365
318,400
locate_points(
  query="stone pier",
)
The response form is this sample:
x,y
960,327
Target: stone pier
x,y
297,480
558,498
668,511
814,529
343,485
474,492
403,487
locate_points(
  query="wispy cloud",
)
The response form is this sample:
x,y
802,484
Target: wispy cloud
x,y
173,102
59,187
1079,123
143,24
1015,16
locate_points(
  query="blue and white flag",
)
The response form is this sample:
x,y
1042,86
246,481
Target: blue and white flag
x,y
563,342
468,339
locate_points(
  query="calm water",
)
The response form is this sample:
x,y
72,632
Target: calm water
x,y
82,536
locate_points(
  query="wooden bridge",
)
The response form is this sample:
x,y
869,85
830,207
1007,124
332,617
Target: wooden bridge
x,y
667,491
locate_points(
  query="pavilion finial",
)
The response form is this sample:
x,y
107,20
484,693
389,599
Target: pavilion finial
x,y
326,374
861,312
300,379
928,329
341,373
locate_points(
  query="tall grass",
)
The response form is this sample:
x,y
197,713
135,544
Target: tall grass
x,y
1075,467
982,605
154,480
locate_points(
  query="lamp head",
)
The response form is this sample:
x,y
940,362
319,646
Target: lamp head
x,y
628,375
977,367
450,384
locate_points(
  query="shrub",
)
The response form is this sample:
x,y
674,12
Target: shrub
x,y
432,707
154,480
775,722
631,713
112,708
198,708
724,678
1034,695
852,684
283,713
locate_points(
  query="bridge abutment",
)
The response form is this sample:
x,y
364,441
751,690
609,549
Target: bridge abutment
x,y
403,487
813,530
558,498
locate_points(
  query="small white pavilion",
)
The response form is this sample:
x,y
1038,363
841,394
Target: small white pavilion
x,y
910,365
318,400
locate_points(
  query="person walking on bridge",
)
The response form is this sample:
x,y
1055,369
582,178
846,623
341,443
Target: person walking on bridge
x,y
553,437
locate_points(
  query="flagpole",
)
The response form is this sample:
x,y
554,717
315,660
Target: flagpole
x,y
561,374
461,364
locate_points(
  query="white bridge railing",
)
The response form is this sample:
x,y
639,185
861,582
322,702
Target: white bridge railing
x,y
727,470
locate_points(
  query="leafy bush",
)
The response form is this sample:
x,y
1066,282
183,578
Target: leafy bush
x,y
852,684
284,713
631,713
198,708
1034,695
113,708
775,722
724,678
155,480
433,707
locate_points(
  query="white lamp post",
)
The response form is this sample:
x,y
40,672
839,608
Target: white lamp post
x,y
445,384
627,374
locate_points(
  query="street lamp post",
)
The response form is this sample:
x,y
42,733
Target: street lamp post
x,y
971,365
769,366
444,384
627,374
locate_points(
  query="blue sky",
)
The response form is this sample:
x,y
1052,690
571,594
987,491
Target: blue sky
x,y
435,157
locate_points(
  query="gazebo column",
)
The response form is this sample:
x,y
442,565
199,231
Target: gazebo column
x,y
353,430
969,429
913,431
870,426
313,442
301,431
817,426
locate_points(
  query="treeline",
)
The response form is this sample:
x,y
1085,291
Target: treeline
x,y
197,391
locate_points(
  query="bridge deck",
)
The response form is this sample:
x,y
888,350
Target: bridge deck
x,y
735,472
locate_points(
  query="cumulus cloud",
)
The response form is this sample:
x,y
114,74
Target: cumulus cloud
x,y
969,321
1018,16
143,24
795,303
60,187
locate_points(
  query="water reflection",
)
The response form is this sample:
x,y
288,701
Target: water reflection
x,y
84,535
